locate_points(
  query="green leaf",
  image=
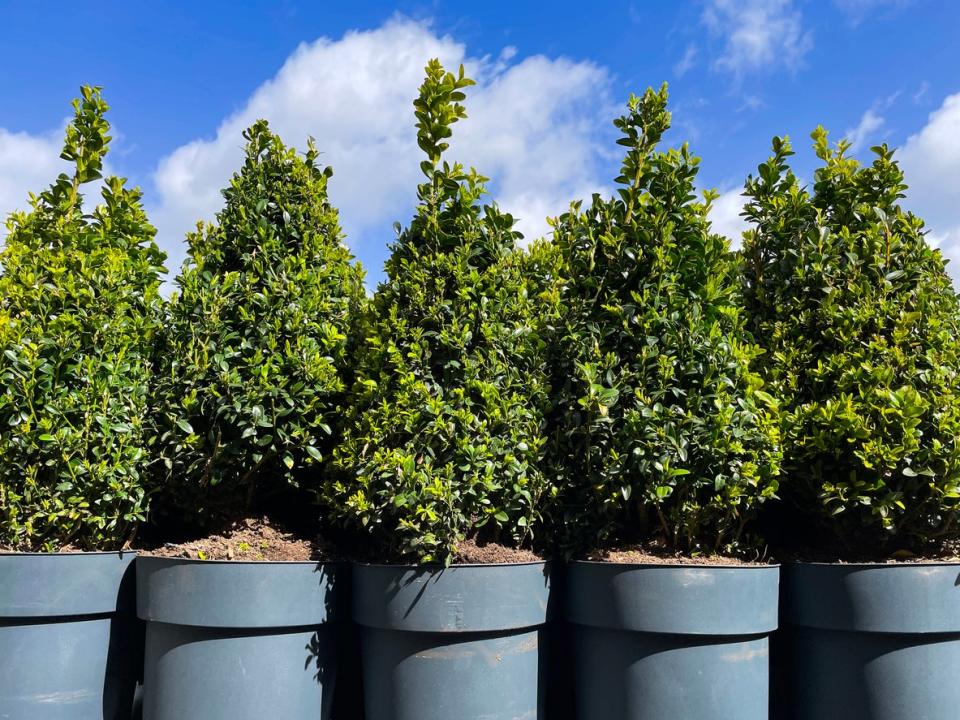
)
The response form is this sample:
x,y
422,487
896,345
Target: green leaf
x,y
82,285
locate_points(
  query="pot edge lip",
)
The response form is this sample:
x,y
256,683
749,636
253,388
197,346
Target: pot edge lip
x,y
873,565
435,567
239,563
79,553
674,566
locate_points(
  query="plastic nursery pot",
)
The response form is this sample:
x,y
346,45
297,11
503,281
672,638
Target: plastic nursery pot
x,y
462,642
69,648
671,641
239,640
877,642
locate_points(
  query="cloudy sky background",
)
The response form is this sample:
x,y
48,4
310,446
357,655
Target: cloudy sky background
x,y
185,81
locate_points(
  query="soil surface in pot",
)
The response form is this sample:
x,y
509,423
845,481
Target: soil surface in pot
x,y
655,554
470,552
796,537
948,552
250,539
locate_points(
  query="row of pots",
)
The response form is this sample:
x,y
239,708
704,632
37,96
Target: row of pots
x,y
236,640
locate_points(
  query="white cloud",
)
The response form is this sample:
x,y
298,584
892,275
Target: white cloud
x,y
28,163
725,216
871,122
686,63
752,102
860,135
921,92
532,127
859,10
931,162
758,35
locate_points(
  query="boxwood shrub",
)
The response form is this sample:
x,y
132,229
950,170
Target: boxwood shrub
x,y
79,299
446,426
662,431
257,353
861,327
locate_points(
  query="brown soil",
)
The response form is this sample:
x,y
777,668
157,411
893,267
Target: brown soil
x,y
900,557
945,552
653,554
469,552
247,540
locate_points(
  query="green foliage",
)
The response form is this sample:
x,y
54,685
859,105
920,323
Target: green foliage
x,y
860,322
258,350
662,430
79,306
446,424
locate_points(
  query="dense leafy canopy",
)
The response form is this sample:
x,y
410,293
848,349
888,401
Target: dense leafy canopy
x,y
446,426
79,306
604,384
662,430
258,349
861,323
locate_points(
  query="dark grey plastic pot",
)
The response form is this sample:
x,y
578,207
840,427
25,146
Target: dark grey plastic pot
x,y
239,640
68,639
874,642
671,641
463,642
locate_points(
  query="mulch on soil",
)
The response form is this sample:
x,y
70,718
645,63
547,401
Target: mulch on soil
x,y
945,552
654,553
469,552
251,539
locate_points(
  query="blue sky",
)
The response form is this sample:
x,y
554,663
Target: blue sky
x,y
185,78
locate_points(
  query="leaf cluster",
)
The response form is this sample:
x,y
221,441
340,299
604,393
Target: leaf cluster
x,y
79,308
446,428
661,428
860,323
257,353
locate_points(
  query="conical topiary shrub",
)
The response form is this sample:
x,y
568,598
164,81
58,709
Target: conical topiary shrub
x,y
860,324
442,454
257,352
446,432
662,430
666,445
79,299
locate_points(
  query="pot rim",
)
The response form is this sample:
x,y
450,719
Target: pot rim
x,y
676,566
197,561
71,553
876,565
437,566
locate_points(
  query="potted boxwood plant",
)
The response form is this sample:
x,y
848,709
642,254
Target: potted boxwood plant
x,y
440,460
861,328
255,362
665,446
79,305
